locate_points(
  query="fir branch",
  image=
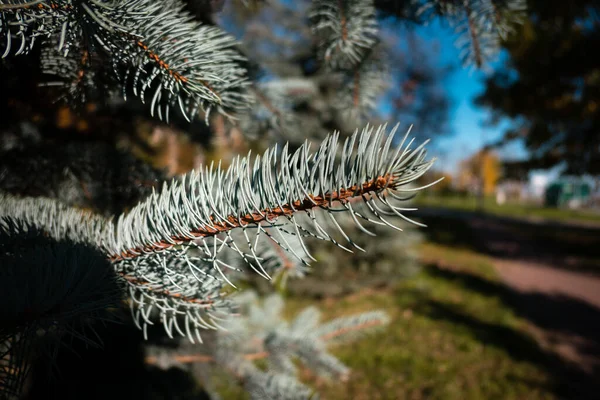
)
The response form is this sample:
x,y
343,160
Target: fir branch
x,y
57,220
273,109
177,245
185,64
503,15
76,78
475,42
478,23
17,29
183,304
363,87
254,195
260,333
72,23
278,260
346,329
192,301
200,358
188,65
346,30
474,35
427,10
265,386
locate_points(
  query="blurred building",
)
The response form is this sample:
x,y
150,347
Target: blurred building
x,y
511,191
569,191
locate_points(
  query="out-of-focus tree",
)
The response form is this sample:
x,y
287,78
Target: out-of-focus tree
x,y
445,185
549,85
480,171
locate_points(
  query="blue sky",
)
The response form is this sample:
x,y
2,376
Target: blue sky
x,y
467,121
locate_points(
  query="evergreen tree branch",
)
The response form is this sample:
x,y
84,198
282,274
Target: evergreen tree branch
x,y
57,220
346,30
344,327
364,85
194,66
162,50
479,24
254,195
20,6
260,333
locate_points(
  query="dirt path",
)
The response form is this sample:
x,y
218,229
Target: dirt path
x,y
552,271
536,277
531,279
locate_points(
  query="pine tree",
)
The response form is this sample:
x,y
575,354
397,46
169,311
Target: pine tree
x,y
84,237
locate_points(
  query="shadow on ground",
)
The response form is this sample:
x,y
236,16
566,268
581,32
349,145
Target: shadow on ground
x,y
563,246
556,314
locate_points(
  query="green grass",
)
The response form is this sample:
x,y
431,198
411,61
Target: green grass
x,y
453,335
516,210
447,340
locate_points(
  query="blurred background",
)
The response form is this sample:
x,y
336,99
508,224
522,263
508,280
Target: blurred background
x,y
499,296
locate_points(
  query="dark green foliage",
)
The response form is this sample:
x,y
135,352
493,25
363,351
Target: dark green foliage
x,y
117,370
51,292
550,86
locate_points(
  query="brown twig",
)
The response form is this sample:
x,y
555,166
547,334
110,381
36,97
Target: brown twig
x,y
344,21
192,358
474,38
341,331
19,6
356,89
165,66
266,102
137,282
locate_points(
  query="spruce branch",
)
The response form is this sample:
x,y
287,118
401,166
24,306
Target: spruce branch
x,y
160,292
479,24
22,22
254,195
476,44
502,16
57,220
184,242
73,23
427,10
188,65
363,87
90,175
346,30
347,329
154,283
264,386
260,333
273,110
154,47
279,261
74,76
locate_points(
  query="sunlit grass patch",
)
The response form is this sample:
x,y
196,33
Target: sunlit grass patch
x,y
448,339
